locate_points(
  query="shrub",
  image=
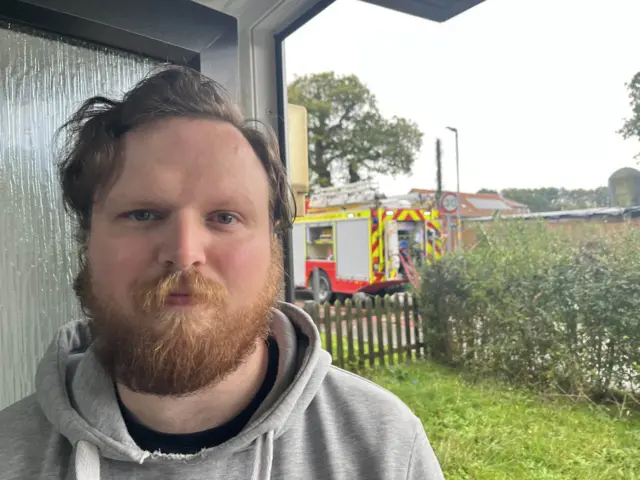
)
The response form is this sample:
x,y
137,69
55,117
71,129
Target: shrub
x,y
549,307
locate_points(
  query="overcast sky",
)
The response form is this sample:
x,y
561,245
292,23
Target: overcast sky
x,y
535,87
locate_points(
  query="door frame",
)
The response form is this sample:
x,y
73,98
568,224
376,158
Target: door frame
x,y
281,127
180,32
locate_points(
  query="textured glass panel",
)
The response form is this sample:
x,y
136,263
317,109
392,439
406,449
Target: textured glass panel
x,y
43,78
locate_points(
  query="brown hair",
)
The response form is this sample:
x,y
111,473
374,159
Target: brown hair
x,y
90,161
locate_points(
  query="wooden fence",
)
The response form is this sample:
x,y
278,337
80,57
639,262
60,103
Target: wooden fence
x,y
381,332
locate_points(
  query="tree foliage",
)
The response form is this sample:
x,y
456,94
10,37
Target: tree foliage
x,y
349,139
554,199
631,126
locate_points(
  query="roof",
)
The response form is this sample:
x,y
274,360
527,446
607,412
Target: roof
x,y
481,204
514,204
625,172
589,213
436,10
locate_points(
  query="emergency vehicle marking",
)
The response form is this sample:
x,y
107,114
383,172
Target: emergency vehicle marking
x,y
334,205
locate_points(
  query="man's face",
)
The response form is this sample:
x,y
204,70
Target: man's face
x,y
183,268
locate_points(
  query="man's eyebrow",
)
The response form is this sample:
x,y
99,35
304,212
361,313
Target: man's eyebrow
x,y
231,200
235,198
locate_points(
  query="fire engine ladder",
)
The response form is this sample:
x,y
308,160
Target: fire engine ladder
x,y
364,194
366,191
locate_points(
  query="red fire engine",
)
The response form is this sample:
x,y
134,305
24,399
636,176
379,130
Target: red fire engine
x,y
358,240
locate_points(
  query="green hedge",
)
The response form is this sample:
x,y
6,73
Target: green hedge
x,y
542,306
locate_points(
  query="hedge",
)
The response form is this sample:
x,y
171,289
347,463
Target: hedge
x,y
548,307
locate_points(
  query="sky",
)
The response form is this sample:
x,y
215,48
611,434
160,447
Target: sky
x,y
536,88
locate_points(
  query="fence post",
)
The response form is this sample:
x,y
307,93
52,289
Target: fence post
x,y
417,327
397,314
388,318
337,312
380,330
349,321
371,350
309,307
328,329
359,313
407,327
317,316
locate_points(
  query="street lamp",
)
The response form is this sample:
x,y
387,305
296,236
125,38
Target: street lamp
x,y
459,229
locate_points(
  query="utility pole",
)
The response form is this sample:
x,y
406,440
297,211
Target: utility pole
x,y
459,211
430,239
438,172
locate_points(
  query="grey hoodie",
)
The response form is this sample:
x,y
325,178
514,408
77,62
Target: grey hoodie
x,y
318,422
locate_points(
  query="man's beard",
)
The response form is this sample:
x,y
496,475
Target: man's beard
x,y
178,352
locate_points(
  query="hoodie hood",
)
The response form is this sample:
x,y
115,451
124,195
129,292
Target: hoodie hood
x,y
78,398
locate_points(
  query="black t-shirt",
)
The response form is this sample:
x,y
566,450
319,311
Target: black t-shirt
x,y
191,443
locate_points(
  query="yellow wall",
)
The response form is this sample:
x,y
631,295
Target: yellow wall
x,y
298,146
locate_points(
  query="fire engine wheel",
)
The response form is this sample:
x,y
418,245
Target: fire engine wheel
x,y
359,297
324,287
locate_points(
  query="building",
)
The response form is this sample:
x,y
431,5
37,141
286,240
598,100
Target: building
x,y
519,207
482,204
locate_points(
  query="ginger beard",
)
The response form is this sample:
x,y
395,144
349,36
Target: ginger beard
x,y
172,352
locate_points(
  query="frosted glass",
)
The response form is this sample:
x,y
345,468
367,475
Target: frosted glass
x,y
43,79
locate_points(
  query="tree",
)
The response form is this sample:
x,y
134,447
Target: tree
x,y
554,199
631,127
349,139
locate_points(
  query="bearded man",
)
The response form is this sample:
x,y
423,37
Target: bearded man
x,y
187,365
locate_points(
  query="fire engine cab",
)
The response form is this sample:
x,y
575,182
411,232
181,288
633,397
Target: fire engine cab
x,y
357,240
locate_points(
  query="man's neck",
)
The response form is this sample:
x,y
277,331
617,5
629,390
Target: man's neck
x,y
203,410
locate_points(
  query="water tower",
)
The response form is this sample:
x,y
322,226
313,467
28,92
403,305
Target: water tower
x,y
624,187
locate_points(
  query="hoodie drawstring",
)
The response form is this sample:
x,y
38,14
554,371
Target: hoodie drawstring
x,y
87,461
264,457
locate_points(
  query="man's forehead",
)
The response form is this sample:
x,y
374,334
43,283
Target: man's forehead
x,y
179,157
192,134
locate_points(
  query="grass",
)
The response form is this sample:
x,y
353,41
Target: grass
x,y
485,430
488,431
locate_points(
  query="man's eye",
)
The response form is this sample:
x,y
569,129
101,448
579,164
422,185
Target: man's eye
x,y
141,216
224,218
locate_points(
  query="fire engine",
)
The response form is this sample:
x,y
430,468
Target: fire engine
x,y
358,241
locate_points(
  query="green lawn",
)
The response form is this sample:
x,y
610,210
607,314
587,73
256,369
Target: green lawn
x,y
490,431
487,431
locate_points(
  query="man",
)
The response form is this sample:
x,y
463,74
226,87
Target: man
x,y
187,366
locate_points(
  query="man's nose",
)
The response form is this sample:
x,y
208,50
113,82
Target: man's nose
x,y
183,245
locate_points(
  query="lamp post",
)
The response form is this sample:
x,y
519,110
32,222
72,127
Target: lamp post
x,y
459,219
